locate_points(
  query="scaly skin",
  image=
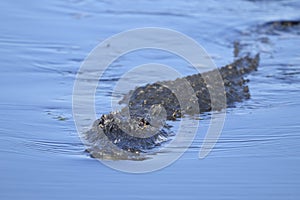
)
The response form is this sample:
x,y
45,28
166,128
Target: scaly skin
x,y
132,130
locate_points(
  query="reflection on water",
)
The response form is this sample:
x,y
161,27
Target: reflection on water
x,y
42,47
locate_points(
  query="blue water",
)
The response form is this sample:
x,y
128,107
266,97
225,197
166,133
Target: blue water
x,y
42,46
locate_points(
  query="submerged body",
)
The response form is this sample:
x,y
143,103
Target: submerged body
x,y
141,125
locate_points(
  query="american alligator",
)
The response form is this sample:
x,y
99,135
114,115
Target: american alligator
x,y
112,131
148,107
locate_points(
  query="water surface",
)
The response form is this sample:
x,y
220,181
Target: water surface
x,y
43,44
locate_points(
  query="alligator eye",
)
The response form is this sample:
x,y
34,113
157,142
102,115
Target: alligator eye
x,y
143,122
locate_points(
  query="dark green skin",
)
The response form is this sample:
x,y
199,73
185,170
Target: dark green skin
x,y
107,128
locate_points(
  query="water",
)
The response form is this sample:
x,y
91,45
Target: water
x,y
42,47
